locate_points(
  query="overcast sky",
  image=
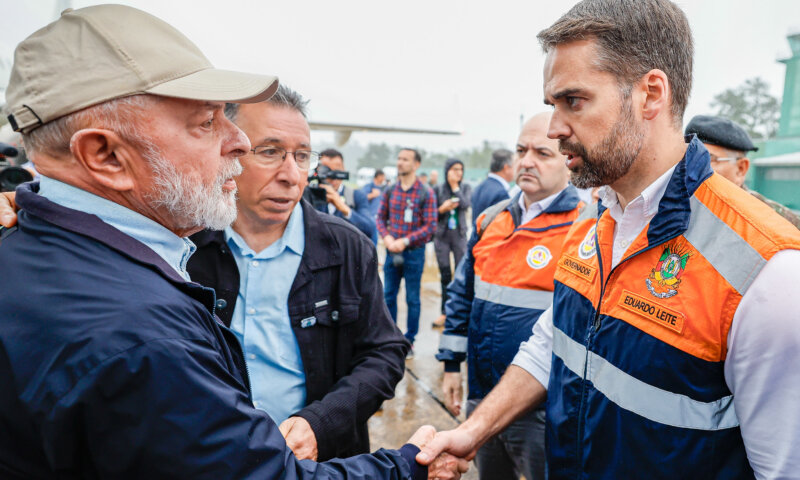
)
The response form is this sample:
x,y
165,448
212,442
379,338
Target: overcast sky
x,y
473,66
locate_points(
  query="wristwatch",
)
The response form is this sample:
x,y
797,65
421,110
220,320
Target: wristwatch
x,y
406,241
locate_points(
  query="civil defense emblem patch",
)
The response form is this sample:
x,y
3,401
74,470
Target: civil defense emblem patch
x,y
538,257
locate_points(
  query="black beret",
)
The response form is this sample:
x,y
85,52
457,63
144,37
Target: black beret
x,y
720,131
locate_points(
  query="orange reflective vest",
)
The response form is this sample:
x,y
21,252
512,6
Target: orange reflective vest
x,y
637,387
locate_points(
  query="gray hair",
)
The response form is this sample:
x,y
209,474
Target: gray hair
x,y
121,115
500,158
284,97
633,37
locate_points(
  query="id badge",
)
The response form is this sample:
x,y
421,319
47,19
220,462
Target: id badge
x,y
408,215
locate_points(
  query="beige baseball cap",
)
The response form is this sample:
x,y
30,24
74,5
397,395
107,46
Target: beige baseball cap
x,y
96,54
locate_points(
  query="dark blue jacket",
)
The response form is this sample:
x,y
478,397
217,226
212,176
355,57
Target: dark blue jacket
x,y
112,366
489,192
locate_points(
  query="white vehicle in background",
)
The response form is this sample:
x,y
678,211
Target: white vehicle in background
x,y
391,173
364,175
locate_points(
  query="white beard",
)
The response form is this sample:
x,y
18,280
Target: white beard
x,y
191,203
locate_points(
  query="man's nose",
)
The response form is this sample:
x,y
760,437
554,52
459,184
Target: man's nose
x,y
236,143
288,171
558,128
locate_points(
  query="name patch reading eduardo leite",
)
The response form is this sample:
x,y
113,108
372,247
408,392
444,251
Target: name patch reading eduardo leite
x,y
664,316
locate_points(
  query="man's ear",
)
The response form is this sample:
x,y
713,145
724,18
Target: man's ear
x,y
742,166
654,89
106,157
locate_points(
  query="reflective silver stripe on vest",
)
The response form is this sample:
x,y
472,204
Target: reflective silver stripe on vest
x,y
728,253
454,343
512,297
641,398
588,211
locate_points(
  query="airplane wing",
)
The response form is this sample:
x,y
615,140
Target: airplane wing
x,y
344,130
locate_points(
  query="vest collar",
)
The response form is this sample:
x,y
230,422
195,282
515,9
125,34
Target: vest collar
x,y
674,210
672,218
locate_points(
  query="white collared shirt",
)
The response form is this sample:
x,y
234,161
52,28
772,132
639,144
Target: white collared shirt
x,y
636,216
761,366
171,248
535,208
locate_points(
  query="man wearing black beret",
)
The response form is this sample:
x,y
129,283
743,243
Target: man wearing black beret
x,y
728,144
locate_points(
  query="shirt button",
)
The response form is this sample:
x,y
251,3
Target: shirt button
x,y
251,356
254,263
255,403
251,311
221,303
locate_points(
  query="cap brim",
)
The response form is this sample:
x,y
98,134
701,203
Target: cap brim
x,y
219,86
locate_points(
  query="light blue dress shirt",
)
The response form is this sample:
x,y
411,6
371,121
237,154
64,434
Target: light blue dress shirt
x,y
261,319
173,249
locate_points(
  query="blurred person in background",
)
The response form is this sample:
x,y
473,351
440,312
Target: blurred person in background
x,y
451,230
406,222
343,201
496,186
373,191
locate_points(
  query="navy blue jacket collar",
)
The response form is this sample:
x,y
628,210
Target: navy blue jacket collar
x,y
674,210
91,226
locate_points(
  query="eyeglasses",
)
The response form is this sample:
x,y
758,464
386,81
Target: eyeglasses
x,y
274,156
716,159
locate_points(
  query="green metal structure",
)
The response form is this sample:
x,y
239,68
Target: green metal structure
x,y
775,170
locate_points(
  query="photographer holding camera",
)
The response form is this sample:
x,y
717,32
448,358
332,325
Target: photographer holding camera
x,y
328,193
11,175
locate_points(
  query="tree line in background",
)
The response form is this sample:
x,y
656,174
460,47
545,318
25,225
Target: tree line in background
x,y
750,105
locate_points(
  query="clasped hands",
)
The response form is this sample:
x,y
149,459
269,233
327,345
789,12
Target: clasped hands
x,y
441,465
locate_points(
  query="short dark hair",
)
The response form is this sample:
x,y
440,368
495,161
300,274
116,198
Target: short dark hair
x,y
500,158
417,156
284,96
331,153
378,172
633,37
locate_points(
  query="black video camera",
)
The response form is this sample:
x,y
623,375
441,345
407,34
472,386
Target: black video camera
x,y
321,174
11,176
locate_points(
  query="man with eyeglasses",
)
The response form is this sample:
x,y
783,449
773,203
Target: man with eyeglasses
x,y
727,145
300,290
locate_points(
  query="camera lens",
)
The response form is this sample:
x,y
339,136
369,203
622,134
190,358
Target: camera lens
x,y
10,177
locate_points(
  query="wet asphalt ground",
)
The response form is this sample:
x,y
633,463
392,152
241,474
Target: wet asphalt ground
x,y
418,397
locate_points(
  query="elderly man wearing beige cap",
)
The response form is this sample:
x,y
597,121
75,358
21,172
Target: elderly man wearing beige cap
x,y
112,362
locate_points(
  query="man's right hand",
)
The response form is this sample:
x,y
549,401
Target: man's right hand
x,y
441,467
8,215
453,391
458,442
